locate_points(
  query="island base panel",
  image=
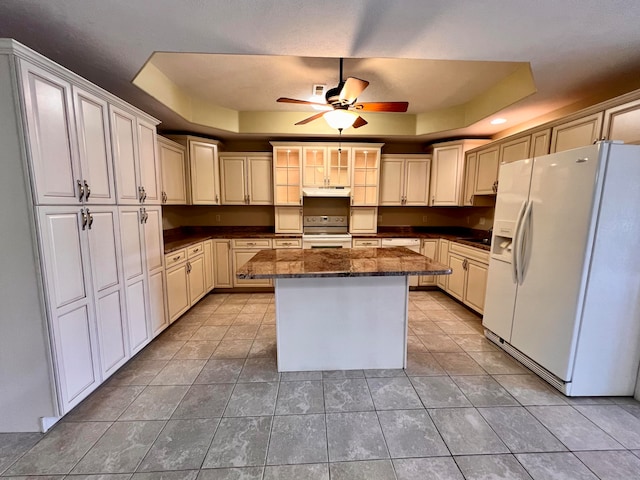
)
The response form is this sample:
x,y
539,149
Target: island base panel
x,y
341,323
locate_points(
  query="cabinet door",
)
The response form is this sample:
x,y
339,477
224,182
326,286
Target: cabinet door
x,y
339,167
208,265
515,150
124,140
70,303
205,181
172,166
540,142
392,181
621,123
446,176
222,264
157,307
313,166
132,242
471,165
92,127
416,190
443,257
137,314
150,176
259,181
288,219
108,287
487,172
366,176
233,176
476,287
578,133
287,176
363,220
195,276
429,249
456,281
153,241
52,140
177,291
240,257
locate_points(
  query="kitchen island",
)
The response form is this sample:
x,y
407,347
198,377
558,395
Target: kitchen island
x,y
341,308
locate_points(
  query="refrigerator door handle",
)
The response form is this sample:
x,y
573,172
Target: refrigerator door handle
x,y
514,247
524,225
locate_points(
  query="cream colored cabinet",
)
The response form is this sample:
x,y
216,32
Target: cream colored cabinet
x,y
516,149
150,175
68,130
487,172
366,176
196,280
172,165
326,166
287,175
623,123
471,165
155,266
185,278
245,179
429,248
577,133
279,243
363,220
443,257
242,251
468,280
177,291
366,243
540,142
288,220
404,180
209,260
447,172
223,277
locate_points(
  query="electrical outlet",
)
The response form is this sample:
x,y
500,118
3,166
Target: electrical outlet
x,y
482,220
424,219
218,218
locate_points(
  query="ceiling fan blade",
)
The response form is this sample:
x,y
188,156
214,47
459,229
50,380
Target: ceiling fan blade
x,y
352,88
382,106
304,102
360,122
310,119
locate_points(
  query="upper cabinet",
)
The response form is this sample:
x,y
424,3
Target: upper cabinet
x,y
203,171
150,176
245,179
172,165
540,142
486,177
326,166
516,149
577,133
287,175
64,171
447,173
405,180
623,123
366,176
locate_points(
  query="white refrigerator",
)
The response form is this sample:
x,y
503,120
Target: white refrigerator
x,y
563,292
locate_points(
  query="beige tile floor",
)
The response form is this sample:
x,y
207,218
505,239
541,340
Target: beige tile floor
x,y
205,401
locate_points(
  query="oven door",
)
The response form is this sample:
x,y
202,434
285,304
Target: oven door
x,y
326,241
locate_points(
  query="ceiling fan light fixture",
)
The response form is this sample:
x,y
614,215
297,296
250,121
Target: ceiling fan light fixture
x,y
340,119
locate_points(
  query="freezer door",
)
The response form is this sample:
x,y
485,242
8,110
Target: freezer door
x,y
500,299
513,189
557,235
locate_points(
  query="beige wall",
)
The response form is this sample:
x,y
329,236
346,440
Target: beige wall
x,y
436,216
222,216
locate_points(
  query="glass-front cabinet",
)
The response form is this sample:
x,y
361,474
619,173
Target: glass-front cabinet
x,y
287,175
366,176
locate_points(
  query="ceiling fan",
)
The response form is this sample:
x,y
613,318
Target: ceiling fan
x,y
341,106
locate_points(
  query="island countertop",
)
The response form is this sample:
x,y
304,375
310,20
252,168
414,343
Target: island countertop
x,y
339,262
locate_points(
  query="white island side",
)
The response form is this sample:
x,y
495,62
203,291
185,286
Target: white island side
x,y
341,309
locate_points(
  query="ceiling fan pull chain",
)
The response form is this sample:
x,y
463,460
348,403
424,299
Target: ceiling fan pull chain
x,y
340,132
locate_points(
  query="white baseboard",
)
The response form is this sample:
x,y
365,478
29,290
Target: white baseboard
x,y
47,422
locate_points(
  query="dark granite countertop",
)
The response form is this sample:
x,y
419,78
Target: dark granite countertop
x,y
340,262
178,238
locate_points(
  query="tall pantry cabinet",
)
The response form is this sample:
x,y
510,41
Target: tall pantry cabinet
x,y
82,285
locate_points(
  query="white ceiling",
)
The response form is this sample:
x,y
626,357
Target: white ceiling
x,y
574,47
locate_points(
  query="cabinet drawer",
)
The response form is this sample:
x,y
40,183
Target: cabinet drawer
x,y
287,243
366,242
195,249
175,258
252,243
470,252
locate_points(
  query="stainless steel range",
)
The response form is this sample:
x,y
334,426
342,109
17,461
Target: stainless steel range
x,y
325,231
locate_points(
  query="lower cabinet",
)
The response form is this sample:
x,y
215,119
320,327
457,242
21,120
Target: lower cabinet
x,y
468,280
177,291
443,257
222,276
243,250
186,278
429,248
208,265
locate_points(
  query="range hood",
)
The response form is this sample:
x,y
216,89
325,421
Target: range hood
x,y
326,192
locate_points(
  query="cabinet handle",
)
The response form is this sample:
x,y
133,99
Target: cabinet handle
x,y
144,195
251,244
90,219
80,190
216,198
301,202
188,267
164,197
286,244
471,199
195,250
176,258
433,199
140,194
87,190
84,218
